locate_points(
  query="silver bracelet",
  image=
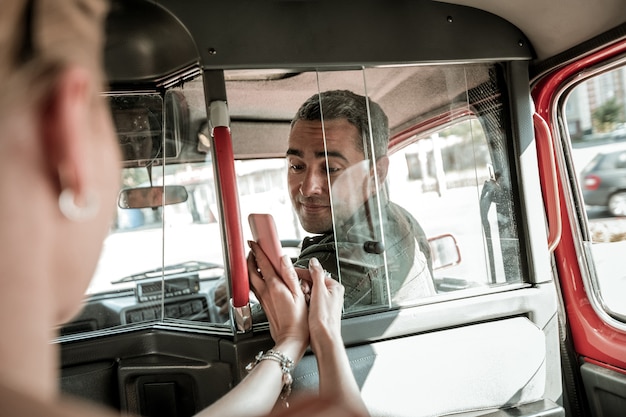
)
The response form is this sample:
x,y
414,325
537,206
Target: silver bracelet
x,y
286,365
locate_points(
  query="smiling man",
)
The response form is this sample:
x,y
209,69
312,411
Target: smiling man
x,y
337,167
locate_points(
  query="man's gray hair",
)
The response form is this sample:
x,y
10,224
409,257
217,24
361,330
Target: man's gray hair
x,y
344,104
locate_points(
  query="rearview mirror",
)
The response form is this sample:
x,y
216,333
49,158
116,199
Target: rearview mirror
x,y
148,129
151,197
444,251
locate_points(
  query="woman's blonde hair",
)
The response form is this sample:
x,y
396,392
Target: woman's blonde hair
x,y
40,37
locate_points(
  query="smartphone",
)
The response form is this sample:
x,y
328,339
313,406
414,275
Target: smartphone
x,y
265,234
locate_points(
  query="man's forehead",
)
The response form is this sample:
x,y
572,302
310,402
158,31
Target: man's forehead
x,y
344,150
319,154
337,138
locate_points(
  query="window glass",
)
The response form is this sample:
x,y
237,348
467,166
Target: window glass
x,y
262,186
426,215
163,255
447,177
595,114
409,202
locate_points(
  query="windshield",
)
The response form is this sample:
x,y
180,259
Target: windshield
x,y
143,241
148,239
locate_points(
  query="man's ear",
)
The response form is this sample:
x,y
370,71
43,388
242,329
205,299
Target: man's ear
x,y
382,167
64,127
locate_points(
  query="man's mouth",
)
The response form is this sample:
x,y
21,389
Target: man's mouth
x,y
313,206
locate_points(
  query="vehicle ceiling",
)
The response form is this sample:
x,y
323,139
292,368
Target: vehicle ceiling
x,y
553,26
394,89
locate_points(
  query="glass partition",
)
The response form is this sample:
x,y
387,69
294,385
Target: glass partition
x,y
398,180
163,255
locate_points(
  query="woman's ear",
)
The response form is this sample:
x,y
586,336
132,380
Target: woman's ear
x,y
65,127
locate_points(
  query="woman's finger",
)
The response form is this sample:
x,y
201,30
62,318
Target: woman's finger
x,y
317,274
333,286
304,279
289,275
262,261
327,293
256,280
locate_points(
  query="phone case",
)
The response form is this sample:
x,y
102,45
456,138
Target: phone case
x,y
265,234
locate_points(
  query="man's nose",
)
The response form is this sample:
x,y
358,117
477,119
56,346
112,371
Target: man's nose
x,y
314,183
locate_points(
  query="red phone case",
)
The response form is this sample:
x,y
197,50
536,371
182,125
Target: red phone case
x,y
265,234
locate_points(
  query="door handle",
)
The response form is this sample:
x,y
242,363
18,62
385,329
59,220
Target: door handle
x,y
547,160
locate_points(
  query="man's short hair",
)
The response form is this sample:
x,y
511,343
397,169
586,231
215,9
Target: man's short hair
x,y
344,104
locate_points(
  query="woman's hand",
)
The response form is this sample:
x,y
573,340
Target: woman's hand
x,y
282,300
285,307
337,383
304,277
325,308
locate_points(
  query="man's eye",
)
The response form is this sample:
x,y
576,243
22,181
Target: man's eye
x,y
332,170
296,167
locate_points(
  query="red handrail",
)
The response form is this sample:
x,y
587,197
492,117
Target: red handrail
x,y
224,158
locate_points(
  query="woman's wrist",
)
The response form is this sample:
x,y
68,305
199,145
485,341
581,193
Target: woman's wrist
x,y
294,349
285,363
324,342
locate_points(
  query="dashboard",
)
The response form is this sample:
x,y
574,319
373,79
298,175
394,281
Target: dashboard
x,y
182,296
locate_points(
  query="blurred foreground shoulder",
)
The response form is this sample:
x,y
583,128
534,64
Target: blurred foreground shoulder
x,y
15,403
315,406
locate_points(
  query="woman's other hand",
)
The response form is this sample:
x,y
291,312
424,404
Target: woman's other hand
x,y
337,383
304,277
325,308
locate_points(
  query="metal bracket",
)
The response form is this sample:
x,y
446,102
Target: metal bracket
x,y
218,115
241,317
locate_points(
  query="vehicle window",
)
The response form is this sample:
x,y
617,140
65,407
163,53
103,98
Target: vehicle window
x,y
427,216
163,255
441,221
595,115
262,186
447,178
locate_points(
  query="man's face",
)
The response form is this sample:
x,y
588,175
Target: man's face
x,y
311,165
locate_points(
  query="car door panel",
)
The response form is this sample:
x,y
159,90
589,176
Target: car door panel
x,y
501,344
605,388
504,362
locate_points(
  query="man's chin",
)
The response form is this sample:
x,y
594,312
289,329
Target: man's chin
x,y
316,231
316,228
